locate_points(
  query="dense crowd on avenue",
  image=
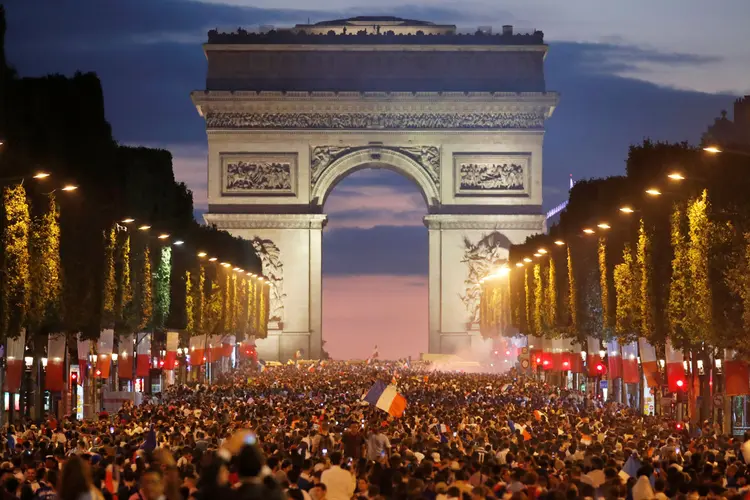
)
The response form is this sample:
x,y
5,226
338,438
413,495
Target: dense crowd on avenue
x,y
300,434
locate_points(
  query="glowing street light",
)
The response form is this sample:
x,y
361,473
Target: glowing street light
x,y
202,255
526,259
627,210
519,264
236,269
588,230
144,227
41,175
676,176
653,192
603,225
128,220
213,259
712,149
178,242
163,236
69,187
542,251
226,264
537,255
559,243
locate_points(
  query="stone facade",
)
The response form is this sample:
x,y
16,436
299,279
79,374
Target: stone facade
x,y
476,156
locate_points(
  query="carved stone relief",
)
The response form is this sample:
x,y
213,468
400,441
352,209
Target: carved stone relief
x,y
482,259
259,174
491,174
273,269
504,120
428,158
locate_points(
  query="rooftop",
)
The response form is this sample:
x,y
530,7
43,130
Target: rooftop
x,y
365,38
369,20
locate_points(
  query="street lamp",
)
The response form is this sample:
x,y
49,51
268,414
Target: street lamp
x,y
69,187
163,236
712,149
41,175
542,251
144,227
588,230
559,243
626,210
603,225
527,260
676,176
128,220
653,192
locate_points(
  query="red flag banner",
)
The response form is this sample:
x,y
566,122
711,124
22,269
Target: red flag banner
x,y
197,350
104,353
125,360
173,340
630,363
737,375
143,356
14,366
675,369
84,349
54,380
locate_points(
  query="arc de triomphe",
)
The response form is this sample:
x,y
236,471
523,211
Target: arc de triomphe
x,y
289,113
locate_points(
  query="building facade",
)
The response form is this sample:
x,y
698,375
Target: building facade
x,y
290,113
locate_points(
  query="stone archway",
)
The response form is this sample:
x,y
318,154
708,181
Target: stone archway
x,y
334,164
288,115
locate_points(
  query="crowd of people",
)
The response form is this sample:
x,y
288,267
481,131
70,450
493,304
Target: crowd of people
x,y
300,434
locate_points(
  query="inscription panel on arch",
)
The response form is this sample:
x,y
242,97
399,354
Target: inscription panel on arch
x,y
492,174
269,174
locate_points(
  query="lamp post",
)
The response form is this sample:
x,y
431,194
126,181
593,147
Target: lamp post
x,y
115,384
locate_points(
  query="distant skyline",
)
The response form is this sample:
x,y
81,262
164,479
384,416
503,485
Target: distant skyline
x,y
625,72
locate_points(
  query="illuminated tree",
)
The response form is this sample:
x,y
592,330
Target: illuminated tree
x,y
15,282
551,299
162,297
142,288
627,293
110,279
645,279
603,281
529,302
679,285
572,296
189,304
699,314
539,325
46,272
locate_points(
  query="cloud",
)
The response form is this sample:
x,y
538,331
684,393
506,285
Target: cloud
x,y
147,87
371,198
362,311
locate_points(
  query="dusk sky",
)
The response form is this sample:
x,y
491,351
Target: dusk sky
x,y
625,71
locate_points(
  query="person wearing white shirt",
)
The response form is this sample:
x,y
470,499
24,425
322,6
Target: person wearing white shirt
x,y
339,483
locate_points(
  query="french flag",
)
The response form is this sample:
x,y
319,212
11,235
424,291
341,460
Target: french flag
x,y
386,398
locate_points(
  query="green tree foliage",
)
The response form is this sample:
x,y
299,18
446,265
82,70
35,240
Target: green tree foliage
x,y
162,297
46,273
627,293
15,282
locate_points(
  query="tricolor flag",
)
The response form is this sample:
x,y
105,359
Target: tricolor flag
x,y
630,363
386,398
444,429
675,368
261,366
505,387
649,363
